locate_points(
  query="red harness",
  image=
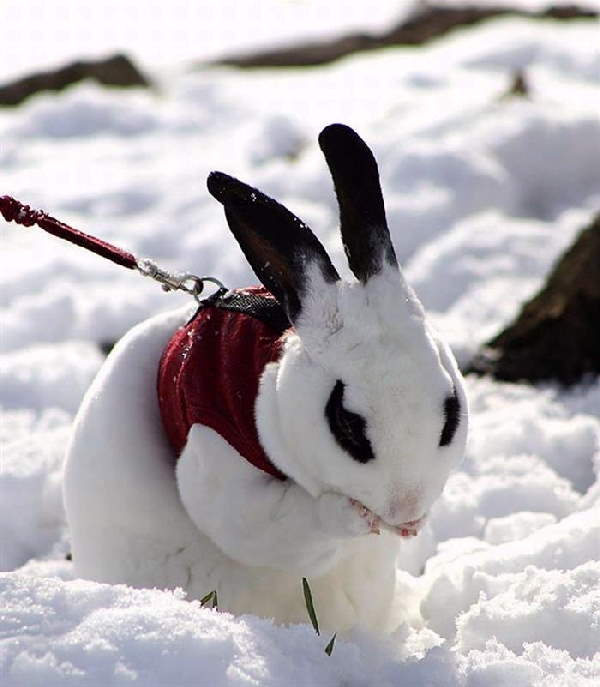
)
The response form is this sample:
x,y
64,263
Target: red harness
x,y
210,371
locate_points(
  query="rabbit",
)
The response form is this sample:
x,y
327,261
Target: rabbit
x,y
358,412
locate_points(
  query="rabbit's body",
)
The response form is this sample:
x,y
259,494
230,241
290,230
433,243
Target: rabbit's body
x,y
128,524
361,412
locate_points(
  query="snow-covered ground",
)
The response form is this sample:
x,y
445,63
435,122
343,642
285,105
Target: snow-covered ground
x,y
482,192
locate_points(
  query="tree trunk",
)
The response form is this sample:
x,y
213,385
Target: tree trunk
x,y
556,336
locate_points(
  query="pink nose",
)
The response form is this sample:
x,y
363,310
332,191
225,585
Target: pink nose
x,y
406,509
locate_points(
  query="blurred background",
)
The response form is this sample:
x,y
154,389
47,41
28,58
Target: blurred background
x,y
483,116
159,34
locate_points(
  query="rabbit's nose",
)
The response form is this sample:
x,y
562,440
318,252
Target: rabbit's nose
x,y
405,508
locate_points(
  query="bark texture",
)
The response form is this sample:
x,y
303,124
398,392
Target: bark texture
x,y
556,336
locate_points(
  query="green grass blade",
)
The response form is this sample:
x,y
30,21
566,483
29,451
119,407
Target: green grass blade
x,y
308,600
329,647
210,597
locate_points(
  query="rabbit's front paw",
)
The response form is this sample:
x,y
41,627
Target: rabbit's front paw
x,y
342,516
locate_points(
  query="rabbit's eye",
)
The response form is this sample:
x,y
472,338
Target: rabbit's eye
x,y
347,427
452,418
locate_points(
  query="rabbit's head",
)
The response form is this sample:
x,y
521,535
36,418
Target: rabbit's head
x,y
365,401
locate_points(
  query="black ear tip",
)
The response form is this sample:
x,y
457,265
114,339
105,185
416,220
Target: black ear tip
x,y
219,184
336,136
229,190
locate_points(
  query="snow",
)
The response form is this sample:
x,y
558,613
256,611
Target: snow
x,y
483,193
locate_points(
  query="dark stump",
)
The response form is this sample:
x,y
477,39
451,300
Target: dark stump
x,y
117,70
556,336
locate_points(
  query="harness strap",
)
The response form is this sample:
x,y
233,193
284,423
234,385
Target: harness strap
x,y
254,302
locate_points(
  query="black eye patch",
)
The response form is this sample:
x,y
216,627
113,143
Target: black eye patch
x,y
348,428
452,419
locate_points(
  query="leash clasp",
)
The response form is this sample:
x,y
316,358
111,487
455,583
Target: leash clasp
x,y
176,281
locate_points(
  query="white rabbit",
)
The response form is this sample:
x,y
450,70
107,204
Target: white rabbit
x,y
360,415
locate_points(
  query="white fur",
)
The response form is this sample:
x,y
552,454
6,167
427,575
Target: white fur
x,y
216,522
397,375
213,521
244,534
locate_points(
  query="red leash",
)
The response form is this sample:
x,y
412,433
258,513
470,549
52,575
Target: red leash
x,y
14,211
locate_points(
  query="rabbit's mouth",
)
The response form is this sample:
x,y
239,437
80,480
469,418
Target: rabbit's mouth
x,y
410,528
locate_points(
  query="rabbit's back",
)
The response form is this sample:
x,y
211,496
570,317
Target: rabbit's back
x,y
120,492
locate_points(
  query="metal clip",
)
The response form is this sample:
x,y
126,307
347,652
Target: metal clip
x,y
178,281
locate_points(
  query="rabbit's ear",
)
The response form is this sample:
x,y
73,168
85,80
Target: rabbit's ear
x,y
364,228
280,248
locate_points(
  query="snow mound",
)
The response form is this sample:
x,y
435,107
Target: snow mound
x,y
43,376
32,519
91,634
83,633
